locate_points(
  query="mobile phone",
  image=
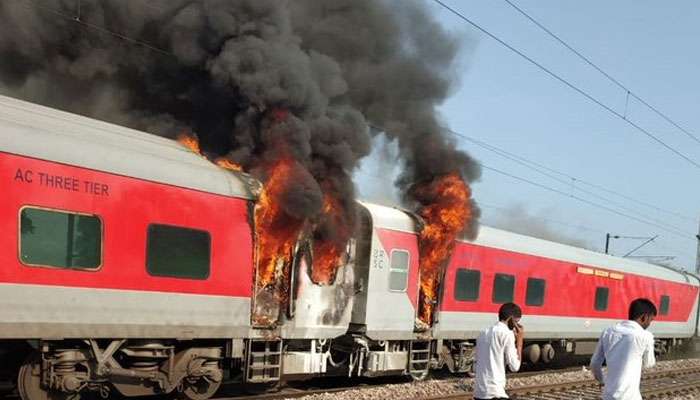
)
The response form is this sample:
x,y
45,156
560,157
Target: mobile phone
x,y
510,323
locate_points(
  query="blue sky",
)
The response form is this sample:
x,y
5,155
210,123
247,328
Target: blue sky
x,y
651,47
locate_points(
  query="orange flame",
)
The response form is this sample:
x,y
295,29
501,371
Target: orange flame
x,y
328,253
189,141
445,217
276,231
225,163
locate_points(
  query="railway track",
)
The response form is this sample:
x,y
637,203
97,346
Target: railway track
x,y
655,385
296,392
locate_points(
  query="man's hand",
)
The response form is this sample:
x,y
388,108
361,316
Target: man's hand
x,y
519,332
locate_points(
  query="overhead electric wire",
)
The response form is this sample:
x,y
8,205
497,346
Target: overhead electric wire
x,y
586,201
645,220
506,210
568,84
77,19
604,73
588,192
542,168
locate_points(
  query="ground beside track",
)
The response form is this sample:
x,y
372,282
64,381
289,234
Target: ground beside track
x,y
447,386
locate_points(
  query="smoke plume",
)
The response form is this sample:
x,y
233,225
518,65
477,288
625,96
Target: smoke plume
x,y
517,218
257,81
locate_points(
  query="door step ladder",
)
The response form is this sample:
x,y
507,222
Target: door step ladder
x,y
263,361
419,359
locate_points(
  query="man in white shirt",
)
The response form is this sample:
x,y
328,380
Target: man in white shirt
x,y
626,348
496,346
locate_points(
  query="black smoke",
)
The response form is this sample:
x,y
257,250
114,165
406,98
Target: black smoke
x,y
224,69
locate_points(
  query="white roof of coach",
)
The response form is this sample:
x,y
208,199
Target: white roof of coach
x,y
390,217
32,130
397,219
492,237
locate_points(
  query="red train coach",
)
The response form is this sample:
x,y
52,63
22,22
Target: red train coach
x,y
112,235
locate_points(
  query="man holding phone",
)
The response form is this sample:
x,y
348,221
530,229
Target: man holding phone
x,y
497,346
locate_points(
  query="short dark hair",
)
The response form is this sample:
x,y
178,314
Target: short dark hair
x,y
641,307
509,310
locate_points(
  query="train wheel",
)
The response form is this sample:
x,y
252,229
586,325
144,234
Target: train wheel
x,y
201,389
29,383
420,375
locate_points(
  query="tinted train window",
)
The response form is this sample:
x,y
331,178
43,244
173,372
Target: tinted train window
x,y
534,296
60,239
665,305
398,271
503,286
178,252
467,284
601,298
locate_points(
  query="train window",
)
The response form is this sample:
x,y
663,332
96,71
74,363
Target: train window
x,y
467,284
665,305
601,298
61,239
398,271
178,252
534,295
503,286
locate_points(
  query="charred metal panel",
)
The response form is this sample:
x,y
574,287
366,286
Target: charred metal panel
x,y
362,262
320,311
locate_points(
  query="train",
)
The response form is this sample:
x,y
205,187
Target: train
x,y
128,265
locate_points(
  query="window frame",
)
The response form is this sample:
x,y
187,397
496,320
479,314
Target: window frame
x,y
668,304
391,269
58,210
493,289
478,287
607,298
544,291
189,278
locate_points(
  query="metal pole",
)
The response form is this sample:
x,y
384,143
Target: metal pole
x,y
697,256
607,243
